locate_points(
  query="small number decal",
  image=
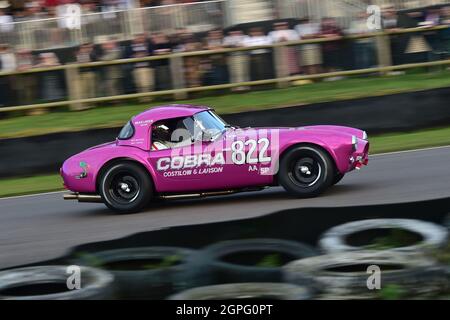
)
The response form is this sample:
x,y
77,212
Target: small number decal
x,y
238,155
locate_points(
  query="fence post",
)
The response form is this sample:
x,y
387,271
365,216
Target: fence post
x,y
384,54
73,86
177,74
281,65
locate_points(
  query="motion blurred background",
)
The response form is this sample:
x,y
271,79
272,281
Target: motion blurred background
x,y
73,72
70,65
47,47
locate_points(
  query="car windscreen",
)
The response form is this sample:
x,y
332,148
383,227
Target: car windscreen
x,y
127,131
208,120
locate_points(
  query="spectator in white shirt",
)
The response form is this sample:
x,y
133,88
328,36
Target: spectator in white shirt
x,y
7,64
261,65
310,54
282,33
5,22
363,48
238,62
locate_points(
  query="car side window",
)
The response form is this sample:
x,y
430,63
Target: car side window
x,y
172,133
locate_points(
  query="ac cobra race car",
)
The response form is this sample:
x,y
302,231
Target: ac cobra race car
x,y
183,151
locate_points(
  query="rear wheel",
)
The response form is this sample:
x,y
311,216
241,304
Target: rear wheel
x,y
306,171
126,187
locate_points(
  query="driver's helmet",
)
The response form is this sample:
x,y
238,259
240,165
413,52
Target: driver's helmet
x,y
161,132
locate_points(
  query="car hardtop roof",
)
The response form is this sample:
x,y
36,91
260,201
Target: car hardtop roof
x,y
169,112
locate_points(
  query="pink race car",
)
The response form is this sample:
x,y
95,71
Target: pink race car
x,y
181,151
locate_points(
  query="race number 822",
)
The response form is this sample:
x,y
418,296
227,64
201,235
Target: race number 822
x,y
239,155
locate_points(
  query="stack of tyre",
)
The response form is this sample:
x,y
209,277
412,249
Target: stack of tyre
x,y
346,265
359,263
353,261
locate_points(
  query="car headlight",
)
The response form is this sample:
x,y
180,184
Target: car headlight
x,y
354,143
365,137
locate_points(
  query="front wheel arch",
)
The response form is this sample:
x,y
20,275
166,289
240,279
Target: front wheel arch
x,y
318,157
308,144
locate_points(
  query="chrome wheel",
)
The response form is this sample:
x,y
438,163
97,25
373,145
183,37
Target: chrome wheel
x,y
124,188
306,172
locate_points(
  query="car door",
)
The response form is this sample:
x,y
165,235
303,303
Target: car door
x,y
197,166
248,158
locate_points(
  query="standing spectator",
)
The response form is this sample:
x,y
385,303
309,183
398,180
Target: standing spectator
x,y
7,64
162,46
192,63
310,54
143,73
216,68
261,66
363,48
282,33
331,50
26,84
432,19
87,81
390,22
110,74
50,81
445,33
390,18
237,61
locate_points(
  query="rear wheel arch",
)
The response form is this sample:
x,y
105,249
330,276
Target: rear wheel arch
x,y
115,161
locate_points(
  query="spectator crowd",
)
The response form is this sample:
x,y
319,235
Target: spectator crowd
x,y
217,68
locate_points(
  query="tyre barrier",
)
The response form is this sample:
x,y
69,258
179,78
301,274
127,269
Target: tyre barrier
x,y
252,290
253,260
149,272
447,222
399,235
348,275
51,283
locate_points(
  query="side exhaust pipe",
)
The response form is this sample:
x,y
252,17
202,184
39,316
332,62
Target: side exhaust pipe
x,y
94,198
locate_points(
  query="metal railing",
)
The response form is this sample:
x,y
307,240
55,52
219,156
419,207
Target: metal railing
x,y
344,10
178,65
409,4
122,24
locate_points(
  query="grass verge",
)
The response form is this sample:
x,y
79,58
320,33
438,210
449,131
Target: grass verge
x,y
114,116
379,144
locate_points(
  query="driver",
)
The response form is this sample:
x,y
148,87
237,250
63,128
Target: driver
x,y
160,137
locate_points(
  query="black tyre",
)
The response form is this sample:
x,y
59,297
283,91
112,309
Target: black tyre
x,y
399,235
306,171
126,187
252,260
232,291
149,272
337,178
345,275
50,283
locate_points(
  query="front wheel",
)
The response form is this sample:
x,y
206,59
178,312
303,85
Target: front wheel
x,y
126,187
306,171
337,178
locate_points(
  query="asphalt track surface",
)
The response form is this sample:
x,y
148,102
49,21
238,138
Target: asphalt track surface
x,y
41,227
